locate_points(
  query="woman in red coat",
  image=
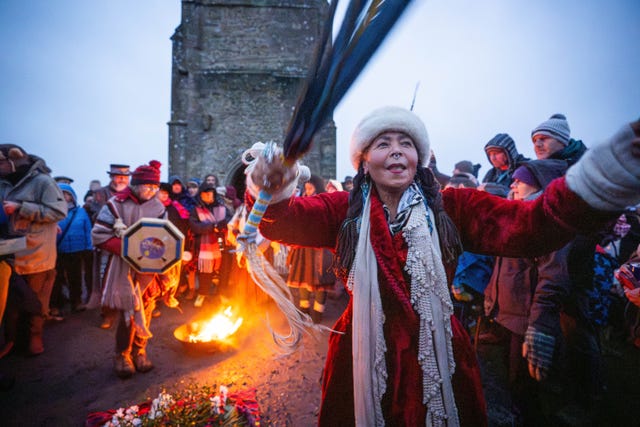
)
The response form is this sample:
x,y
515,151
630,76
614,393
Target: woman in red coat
x,y
398,356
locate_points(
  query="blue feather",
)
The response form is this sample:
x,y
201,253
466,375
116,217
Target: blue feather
x,y
337,65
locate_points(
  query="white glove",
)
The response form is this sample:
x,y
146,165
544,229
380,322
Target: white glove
x,y
119,228
607,177
270,173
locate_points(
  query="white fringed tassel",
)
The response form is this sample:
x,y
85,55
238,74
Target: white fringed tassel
x,y
267,278
262,272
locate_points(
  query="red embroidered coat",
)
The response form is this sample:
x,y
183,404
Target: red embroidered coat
x,y
487,225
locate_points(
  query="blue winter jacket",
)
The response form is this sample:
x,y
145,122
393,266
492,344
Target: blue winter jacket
x,y
78,236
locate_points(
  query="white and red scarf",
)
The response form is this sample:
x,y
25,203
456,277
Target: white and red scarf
x,y
209,256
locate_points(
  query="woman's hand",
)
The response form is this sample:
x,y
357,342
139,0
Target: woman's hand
x,y
271,174
268,171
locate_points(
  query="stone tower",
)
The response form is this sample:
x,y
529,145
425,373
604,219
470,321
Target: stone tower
x,y
237,69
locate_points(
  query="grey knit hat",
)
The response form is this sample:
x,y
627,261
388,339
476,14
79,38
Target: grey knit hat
x,y
556,127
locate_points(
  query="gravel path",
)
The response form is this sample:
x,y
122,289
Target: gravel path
x,y
74,376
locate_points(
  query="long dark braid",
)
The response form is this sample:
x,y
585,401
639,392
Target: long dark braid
x,y
450,244
348,234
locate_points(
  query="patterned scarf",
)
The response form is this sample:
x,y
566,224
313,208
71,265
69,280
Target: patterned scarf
x,y
182,211
209,254
429,297
410,198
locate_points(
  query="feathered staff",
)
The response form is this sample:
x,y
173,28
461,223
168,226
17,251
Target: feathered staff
x,y
335,67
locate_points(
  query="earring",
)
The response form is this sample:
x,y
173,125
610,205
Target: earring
x,y
365,190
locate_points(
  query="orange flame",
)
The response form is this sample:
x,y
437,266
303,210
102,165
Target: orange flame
x,y
218,328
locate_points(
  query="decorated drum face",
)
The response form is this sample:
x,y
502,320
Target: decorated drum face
x,y
152,245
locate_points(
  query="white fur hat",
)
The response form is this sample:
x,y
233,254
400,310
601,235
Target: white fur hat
x,y
387,119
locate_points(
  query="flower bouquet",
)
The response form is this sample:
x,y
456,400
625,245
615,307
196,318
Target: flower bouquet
x,y
194,406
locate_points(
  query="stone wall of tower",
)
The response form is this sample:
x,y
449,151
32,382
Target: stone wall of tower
x,y
237,69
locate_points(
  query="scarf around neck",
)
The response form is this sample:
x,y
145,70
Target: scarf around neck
x,y
429,298
209,250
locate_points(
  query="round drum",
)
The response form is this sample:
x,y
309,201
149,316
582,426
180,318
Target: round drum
x,y
152,245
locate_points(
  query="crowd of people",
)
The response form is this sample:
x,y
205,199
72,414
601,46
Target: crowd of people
x,y
78,265
533,257
532,234
549,313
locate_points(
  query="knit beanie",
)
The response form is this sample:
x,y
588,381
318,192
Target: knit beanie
x,y
147,174
389,119
556,127
523,174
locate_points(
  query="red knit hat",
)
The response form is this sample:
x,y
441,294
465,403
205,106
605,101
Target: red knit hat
x,y
147,174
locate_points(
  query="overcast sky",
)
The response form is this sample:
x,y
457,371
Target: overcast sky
x,y
87,83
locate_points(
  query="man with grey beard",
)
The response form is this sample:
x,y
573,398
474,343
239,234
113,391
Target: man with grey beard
x,y
118,180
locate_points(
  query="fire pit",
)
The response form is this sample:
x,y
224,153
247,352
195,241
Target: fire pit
x,y
209,336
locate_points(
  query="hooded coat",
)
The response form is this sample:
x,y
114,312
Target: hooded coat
x,y
515,159
77,224
43,205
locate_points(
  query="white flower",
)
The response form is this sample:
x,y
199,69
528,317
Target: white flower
x,y
163,401
215,404
166,400
224,392
158,404
154,411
